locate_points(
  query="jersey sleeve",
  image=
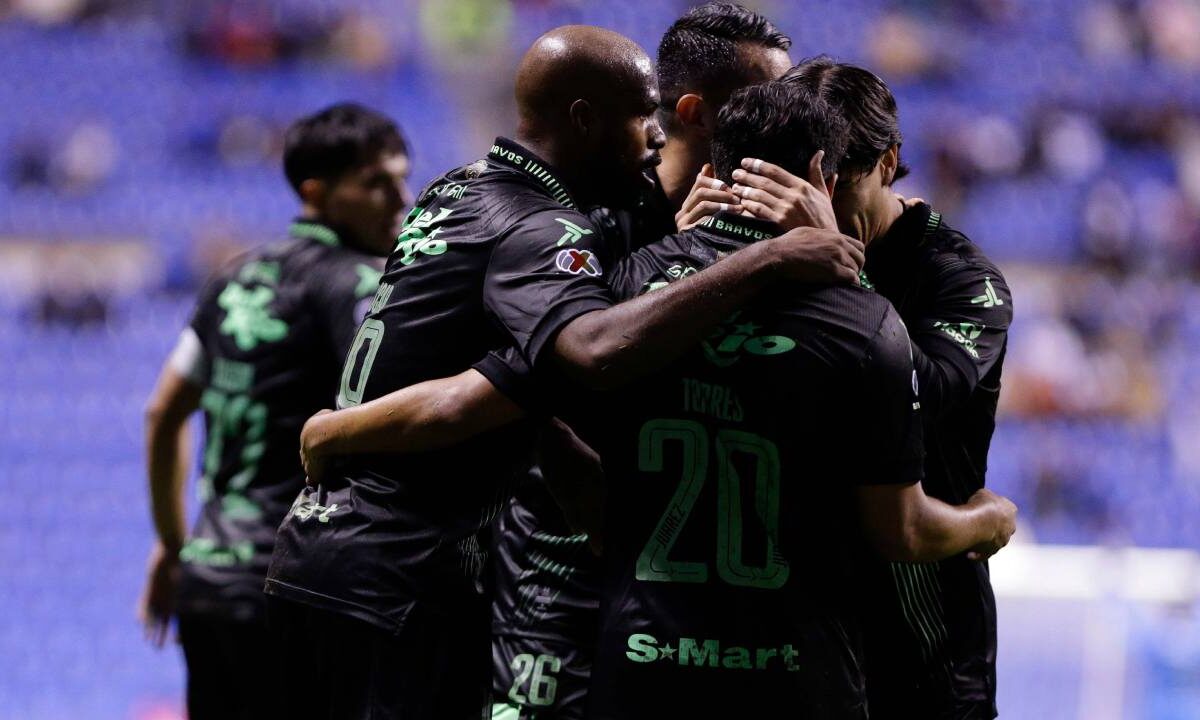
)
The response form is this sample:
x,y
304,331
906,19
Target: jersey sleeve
x,y
656,265
544,272
963,334
205,316
888,426
507,370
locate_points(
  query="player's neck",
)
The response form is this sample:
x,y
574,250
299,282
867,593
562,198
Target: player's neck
x,y
559,156
886,210
681,164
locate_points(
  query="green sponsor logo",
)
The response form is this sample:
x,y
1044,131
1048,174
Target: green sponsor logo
x,y
964,334
732,340
417,237
368,280
204,551
571,233
710,653
308,510
989,298
248,319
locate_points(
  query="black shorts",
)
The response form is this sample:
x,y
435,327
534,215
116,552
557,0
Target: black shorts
x,y
335,667
537,679
228,666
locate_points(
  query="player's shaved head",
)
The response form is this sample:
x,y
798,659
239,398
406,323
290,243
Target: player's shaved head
x,y
578,62
587,100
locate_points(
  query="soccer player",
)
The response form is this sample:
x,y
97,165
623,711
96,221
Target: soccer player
x,y
934,654
813,395
375,580
262,352
545,594
739,477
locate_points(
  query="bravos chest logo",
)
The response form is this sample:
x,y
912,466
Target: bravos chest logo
x,y
735,338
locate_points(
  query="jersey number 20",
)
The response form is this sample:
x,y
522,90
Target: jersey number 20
x,y
653,563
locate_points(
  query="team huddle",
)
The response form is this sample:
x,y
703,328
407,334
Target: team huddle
x,y
667,406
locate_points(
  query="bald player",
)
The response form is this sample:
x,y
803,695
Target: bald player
x,y
375,586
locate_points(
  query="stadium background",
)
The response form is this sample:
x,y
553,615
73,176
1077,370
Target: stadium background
x,y
139,145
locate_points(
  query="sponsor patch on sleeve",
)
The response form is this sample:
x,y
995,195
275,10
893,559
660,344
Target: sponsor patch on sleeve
x,y
578,262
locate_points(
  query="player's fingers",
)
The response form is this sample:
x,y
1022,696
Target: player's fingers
x,y
760,211
772,172
855,243
846,274
700,195
701,211
758,182
856,255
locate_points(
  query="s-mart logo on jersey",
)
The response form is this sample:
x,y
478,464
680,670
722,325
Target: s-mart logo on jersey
x,y
578,262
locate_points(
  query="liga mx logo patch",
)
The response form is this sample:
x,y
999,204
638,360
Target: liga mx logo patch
x,y
578,262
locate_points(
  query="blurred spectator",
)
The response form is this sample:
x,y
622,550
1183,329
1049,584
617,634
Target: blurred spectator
x,y
86,158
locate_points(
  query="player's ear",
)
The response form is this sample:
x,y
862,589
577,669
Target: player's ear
x,y
313,191
690,111
583,118
888,164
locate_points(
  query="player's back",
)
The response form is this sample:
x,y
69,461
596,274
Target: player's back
x,y
733,539
271,326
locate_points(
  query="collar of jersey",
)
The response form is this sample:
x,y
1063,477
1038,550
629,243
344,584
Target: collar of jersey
x,y
742,229
541,172
310,230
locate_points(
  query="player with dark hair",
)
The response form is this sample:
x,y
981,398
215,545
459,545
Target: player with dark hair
x,y
934,653
546,594
376,574
748,473
851,389
262,352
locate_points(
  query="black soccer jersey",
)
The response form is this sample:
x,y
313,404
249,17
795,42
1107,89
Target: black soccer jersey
x,y
936,652
545,602
732,539
274,328
625,230
494,254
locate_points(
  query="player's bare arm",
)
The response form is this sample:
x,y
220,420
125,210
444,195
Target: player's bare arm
x,y
168,454
905,524
431,415
606,348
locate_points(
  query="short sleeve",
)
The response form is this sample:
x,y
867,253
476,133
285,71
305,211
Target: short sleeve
x,y
656,265
205,317
507,370
545,271
962,334
889,425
